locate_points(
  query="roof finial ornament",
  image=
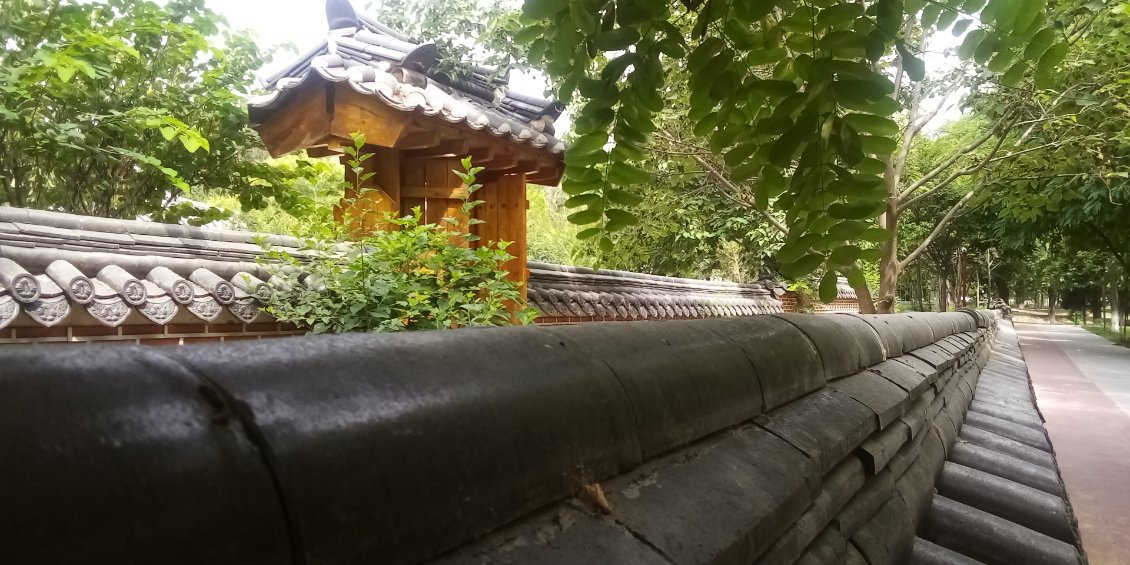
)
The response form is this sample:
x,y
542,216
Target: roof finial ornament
x,y
340,15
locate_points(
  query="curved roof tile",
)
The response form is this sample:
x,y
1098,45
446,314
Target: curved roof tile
x,y
52,264
379,62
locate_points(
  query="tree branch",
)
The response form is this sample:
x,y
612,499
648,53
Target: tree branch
x,y
941,168
730,185
964,172
938,229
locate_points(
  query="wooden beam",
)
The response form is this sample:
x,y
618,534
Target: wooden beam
x,y
548,173
453,147
332,148
502,160
418,139
300,121
355,112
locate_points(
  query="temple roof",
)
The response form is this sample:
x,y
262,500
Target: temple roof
x,y
375,60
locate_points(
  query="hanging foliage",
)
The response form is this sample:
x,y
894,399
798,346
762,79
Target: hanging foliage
x,y
796,97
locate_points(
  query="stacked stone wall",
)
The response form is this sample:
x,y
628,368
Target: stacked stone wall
x,y
765,439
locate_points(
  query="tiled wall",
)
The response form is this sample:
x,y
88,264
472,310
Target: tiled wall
x,y
788,301
146,334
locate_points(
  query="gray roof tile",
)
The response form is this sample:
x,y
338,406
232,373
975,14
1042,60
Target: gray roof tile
x,y
156,268
377,61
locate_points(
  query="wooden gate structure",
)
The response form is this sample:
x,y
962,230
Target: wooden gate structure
x,y
418,121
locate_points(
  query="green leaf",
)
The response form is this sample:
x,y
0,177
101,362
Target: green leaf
x,y
871,255
618,39
582,200
1039,44
606,244
585,217
1048,63
845,255
847,230
802,267
839,15
740,153
587,144
872,124
753,10
619,219
985,50
589,233
875,235
876,45
855,278
856,211
828,290
582,16
745,171
623,197
930,15
624,174
969,44
1001,61
915,68
1015,74
878,145
871,166
774,88
528,34
190,143
786,146
960,27
770,184
543,9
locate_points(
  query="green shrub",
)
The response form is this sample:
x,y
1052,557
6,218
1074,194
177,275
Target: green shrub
x,y
414,276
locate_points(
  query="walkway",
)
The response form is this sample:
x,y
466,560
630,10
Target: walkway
x,y
1082,384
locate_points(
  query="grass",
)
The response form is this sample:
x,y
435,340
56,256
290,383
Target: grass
x,y
1100,331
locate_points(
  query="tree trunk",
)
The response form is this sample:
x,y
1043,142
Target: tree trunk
x,y
943,294
863,298
889,263
921,288
1115,307
1051,305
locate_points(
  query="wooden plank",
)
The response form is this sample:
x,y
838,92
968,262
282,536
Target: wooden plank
x,y
453,147
434,211
411,173
418,139
487,212
458,192
437,173
512,223
406,205
380,194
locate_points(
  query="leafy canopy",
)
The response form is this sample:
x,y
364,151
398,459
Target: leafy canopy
x,y
810,78
121,107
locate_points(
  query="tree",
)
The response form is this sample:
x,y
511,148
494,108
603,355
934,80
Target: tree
x,y
120,108
1081,190
807,77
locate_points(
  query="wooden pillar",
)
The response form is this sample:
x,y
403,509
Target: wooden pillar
x,y
505,215
379,196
